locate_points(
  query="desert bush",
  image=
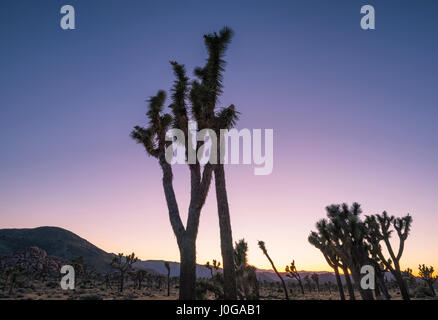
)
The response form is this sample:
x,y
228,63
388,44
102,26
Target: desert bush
x,y
422,292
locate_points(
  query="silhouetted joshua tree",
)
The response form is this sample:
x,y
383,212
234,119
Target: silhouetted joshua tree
x,y
138,277
83,271
409,278
215,284
247,283
108,281
209,267
123,264
380,270
347,235
203,96
315,278
308,282
167,266
265,252
78,265
291,272
320,241
380,228
329,285
426,274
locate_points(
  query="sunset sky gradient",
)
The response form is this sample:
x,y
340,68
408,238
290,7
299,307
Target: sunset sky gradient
x,y
354,115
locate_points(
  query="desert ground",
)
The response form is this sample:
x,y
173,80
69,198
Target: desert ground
x,y
51,290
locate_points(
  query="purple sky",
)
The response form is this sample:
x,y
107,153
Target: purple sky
x,y
354,117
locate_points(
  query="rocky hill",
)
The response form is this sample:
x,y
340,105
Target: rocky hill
x,y
33,261
56,242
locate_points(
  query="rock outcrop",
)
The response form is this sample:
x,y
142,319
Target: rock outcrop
x,y
33,261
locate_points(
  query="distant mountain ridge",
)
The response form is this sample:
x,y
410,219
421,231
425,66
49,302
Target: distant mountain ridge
x,y
65,244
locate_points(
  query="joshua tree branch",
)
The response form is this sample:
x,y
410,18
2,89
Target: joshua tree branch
x,y
175,219
199,195
205,184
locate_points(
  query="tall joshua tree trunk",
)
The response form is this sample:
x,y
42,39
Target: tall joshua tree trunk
x,y
366,294
203,95
339,283
349,284
380,279
187,287
186,242
230,288
186,237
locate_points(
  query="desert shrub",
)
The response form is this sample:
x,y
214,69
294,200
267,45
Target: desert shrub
x,y
422,292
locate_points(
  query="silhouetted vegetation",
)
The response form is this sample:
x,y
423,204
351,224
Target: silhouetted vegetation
x,y
265,252
203,96
247,283
123,264
348,242
315,279
426,274
291,272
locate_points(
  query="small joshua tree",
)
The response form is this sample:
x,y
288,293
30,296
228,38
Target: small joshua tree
x,y
329,285
409,277
247,283
79,267
426,274
108,281
166,264
139,276
209,267
265,252
215,284
315,278
292,272
123,264
308,282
